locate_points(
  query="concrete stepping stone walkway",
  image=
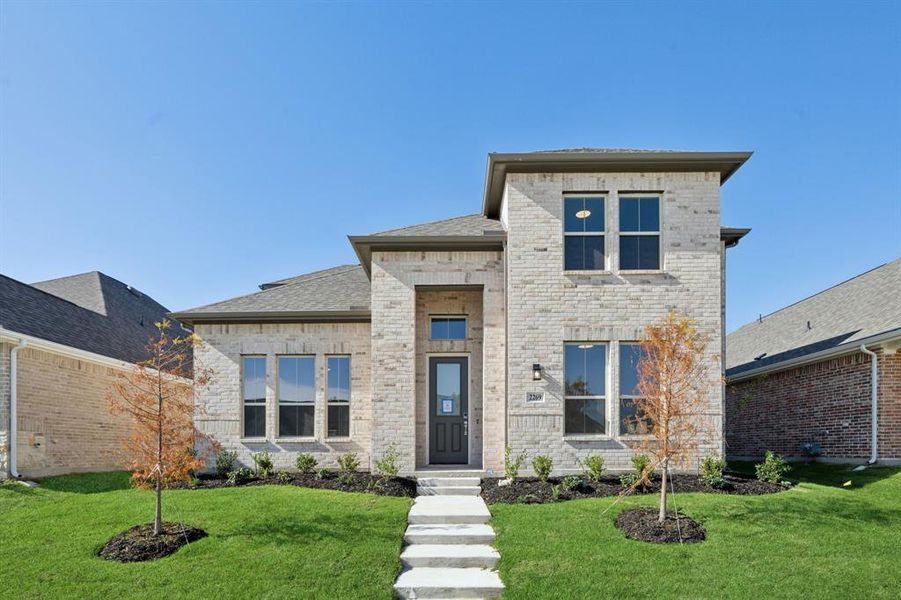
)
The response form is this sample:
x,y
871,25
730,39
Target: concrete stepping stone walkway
x,y
448,552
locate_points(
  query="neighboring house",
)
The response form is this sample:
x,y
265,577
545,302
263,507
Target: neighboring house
x,y
68,338
800,375
512,327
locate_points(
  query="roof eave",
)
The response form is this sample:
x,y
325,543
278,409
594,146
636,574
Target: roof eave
x,y
330,316
364,244
499,164
732,235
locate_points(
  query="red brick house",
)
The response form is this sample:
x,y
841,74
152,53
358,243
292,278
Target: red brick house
x,y
802,378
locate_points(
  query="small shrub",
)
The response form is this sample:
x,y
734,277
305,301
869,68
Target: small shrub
x,y
641,475
306,463
373,486
387,466
323,474
640,462
572,483
195,481
772,469
263,461
555,491
627,480
348,463
512,464
284,477
543,465
225,462
238,476
712,468
528,499
593,467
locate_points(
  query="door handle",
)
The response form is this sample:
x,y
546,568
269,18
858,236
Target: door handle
x,y
465,423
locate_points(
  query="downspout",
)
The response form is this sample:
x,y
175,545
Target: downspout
x,y
13,422
874,405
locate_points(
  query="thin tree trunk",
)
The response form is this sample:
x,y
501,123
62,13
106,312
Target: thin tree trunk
x,y
662,515
158,517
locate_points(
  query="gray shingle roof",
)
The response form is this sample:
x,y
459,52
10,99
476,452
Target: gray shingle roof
x,y
339,290
91,311
468,225
866,305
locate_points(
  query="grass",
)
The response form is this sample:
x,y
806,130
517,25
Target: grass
x,y
264,541
817,539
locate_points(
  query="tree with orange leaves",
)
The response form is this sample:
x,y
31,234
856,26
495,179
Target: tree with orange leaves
x,y
673,382
158,393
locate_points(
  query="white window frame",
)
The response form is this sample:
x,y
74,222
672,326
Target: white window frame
x,y
461,317
625,195
347,403
622,396
278,396
602,234
607,425
244,401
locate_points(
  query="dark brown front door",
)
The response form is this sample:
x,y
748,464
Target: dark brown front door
x,y
448,410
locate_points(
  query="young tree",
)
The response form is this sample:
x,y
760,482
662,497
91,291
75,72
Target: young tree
x,y
158,393
673,382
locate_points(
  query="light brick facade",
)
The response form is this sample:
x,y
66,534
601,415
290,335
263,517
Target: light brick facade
x,y
826,402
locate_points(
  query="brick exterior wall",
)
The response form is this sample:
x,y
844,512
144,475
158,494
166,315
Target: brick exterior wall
x,y
395,278
468,304
63,421
547,307
827,402
220,408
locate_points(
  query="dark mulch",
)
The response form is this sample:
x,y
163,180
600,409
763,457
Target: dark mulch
x,y
356,482
139,544
529,490
641,524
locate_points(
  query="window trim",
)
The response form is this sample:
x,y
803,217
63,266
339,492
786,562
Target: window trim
x,y
465,319
607,425
602,234
658,233
347,403
253,438
621,396
278,399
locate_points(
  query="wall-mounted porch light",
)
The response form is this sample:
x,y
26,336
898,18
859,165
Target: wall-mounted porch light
x,y
536,372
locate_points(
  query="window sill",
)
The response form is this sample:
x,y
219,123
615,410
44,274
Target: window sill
x,y
636,436
339,439
586,437
641,272
253,440
295,440
588,272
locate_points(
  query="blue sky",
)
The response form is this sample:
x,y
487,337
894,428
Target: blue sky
x,y
194,150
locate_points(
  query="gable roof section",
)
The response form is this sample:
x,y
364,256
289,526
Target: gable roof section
x,y
337,294
839,318
91,312
469,232
600,160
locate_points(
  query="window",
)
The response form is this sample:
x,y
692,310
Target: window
x,y
448,328
296,396
338,396
585,372
583,233
254,396
629,423
639,233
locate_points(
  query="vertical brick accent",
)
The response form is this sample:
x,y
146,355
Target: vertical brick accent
x,y
826,402
4,410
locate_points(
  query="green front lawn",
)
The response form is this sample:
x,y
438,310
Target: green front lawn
x,y
819,539
264,541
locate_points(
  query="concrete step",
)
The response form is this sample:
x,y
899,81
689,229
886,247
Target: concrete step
x,y
449,534
446,490
448,481
442,473
426,582
450,556
436,510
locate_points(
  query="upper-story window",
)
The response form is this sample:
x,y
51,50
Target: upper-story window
x,y
338,396
639,233
583,233
448,328
296,396
253,392
585,374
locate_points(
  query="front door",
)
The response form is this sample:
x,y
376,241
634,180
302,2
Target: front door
x,y
448,410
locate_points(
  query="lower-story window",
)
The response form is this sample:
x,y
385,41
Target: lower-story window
x,y
254,395
296,396
631,421
338,395
585,375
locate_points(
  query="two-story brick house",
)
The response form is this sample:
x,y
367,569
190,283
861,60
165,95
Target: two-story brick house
x,y
512,327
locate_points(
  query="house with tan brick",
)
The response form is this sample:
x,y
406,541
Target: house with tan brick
x,y
821,377
512,327
62,342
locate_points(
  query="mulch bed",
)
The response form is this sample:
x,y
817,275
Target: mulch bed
x,y
356,482
139,544
529,490
641,524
